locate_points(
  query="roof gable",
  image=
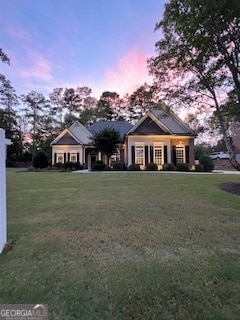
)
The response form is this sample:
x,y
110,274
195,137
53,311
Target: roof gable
x,y
80,132
166,120
75,134
149,126
67,139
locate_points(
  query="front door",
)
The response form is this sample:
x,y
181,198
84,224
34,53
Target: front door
x,y
93,158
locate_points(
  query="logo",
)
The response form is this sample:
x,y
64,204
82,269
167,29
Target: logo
x,y
23,312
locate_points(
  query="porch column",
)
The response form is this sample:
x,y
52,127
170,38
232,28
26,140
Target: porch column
x,y
191,151
83,155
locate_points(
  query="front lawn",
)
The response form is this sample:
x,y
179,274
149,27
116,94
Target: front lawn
x,y
123,245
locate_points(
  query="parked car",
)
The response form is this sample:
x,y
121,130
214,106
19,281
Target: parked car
x,y
219,155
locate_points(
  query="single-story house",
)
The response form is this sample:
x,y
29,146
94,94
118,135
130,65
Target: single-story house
x,y
159,137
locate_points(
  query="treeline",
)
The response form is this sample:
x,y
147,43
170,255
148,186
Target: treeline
x,y
33,120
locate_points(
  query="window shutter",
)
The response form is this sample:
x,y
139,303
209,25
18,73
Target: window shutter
x,y
64,157
187,154
77,157
55,158
174,160
68,157
133,154
146,155
165,155
151,154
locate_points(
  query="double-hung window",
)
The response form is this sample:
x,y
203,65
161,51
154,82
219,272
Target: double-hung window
x,y
180,154
139,155
158,155
60,157
73,157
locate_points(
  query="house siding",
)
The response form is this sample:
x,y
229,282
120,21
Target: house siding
x,y
169,144
148,142
67,150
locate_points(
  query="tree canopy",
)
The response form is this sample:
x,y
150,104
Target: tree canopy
x,y
106,141
198,57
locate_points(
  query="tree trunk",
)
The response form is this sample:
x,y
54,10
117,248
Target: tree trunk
x,y
232,155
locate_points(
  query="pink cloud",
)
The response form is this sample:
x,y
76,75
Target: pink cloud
x,y
17,33
38,67
129,73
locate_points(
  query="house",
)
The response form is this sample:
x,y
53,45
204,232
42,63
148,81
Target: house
x,y
159,136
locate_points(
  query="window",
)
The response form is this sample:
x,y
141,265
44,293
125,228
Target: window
x,y
139,155
180,155
73,157
158,155
60,157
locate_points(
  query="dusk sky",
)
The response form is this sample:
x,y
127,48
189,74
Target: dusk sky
x,y
102,44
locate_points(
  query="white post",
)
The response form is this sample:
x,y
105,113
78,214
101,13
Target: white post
x,y
3,202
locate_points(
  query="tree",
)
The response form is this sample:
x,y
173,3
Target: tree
x,y
4,83
88,117
9,122
198,57
78,102
4,57
35,104
106,141
56,99
70,101
140,101
8,116
9,99
40,160
103,109
201,150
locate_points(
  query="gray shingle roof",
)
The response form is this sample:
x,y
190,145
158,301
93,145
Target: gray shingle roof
x,y
172,122
121,126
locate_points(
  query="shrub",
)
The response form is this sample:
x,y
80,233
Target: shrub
x,y
183,167
40,160
107,168
151,167
168,167
78,166
134,167
119,166
58,165
98,166
199,168
68,165
207,163
9,163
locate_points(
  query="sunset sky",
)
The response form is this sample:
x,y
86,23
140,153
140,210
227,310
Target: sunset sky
x,y
102,44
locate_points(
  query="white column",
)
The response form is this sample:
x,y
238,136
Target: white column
x,y
3,202
169,150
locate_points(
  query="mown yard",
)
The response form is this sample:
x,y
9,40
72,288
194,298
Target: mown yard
x,y
123,246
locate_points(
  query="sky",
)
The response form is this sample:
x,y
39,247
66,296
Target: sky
x,y
102,44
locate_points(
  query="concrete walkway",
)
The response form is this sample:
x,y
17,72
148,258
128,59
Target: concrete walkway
x,y
226,171
176,172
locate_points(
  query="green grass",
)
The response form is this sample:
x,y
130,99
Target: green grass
x,y
123,246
